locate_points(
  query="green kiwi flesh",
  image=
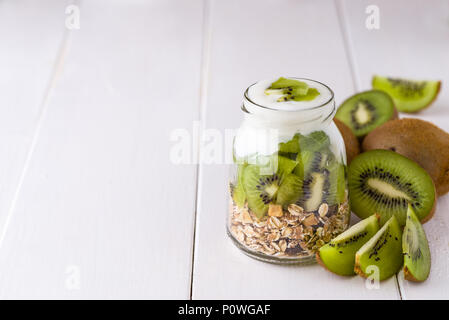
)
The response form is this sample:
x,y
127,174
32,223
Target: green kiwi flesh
x,y
365,111
408,95
270,183
338,256
292,90
238,193
383,250
323,179
415,249
303,171
383,182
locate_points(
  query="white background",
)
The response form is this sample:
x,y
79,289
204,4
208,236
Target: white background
x,y
90,204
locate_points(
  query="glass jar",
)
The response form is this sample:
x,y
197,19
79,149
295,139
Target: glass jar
x,y
288,188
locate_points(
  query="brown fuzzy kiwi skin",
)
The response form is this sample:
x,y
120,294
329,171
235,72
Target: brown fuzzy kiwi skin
x,y
357,268
418,140
351,142
395,114
425,107
320,262
409,276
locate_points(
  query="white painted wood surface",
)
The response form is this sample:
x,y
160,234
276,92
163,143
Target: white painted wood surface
x,y
102,212
90,204
413,41
27,62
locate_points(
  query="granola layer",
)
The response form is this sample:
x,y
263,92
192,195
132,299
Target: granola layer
x,y
288,233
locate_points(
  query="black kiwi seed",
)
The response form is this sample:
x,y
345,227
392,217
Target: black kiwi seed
x,y
408,88
266,182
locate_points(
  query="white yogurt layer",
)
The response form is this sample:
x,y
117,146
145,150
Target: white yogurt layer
x,y
264,114
256,93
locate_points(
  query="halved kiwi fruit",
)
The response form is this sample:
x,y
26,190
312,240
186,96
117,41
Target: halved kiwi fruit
x,y
383,250
418,140
409,95
271,183
384,182
415,249
365,111
338,255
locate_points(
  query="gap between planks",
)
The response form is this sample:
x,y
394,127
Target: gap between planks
x,y
204,79
43,109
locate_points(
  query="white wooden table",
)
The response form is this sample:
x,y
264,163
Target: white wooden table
x,y
91,205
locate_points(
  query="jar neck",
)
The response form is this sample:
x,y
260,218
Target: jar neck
x,y
312,118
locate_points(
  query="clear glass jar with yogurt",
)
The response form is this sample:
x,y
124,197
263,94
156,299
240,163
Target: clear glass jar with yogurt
x,y
288,188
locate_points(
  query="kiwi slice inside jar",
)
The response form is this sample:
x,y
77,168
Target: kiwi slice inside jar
x,y
365,111
408,95
270,183
303,171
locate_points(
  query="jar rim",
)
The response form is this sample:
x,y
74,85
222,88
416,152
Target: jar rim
x,y
246,96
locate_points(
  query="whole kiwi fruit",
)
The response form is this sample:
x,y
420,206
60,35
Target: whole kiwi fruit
x,y
351,142
418,140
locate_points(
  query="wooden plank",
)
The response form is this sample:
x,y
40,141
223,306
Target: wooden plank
x,y
412,41
27,61
249,41
102,212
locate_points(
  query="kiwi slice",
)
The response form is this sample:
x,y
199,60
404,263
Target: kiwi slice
x,y
292,90
291,148
365,111
311,161
324,179
314,191
383,250
315,141
408,95
316,184
238,193
272,182
415,249
337,184
290,190
285,83
295,95
314,154
383,182
338,255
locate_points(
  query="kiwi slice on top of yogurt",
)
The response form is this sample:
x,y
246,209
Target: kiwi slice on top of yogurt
x,y
292,90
